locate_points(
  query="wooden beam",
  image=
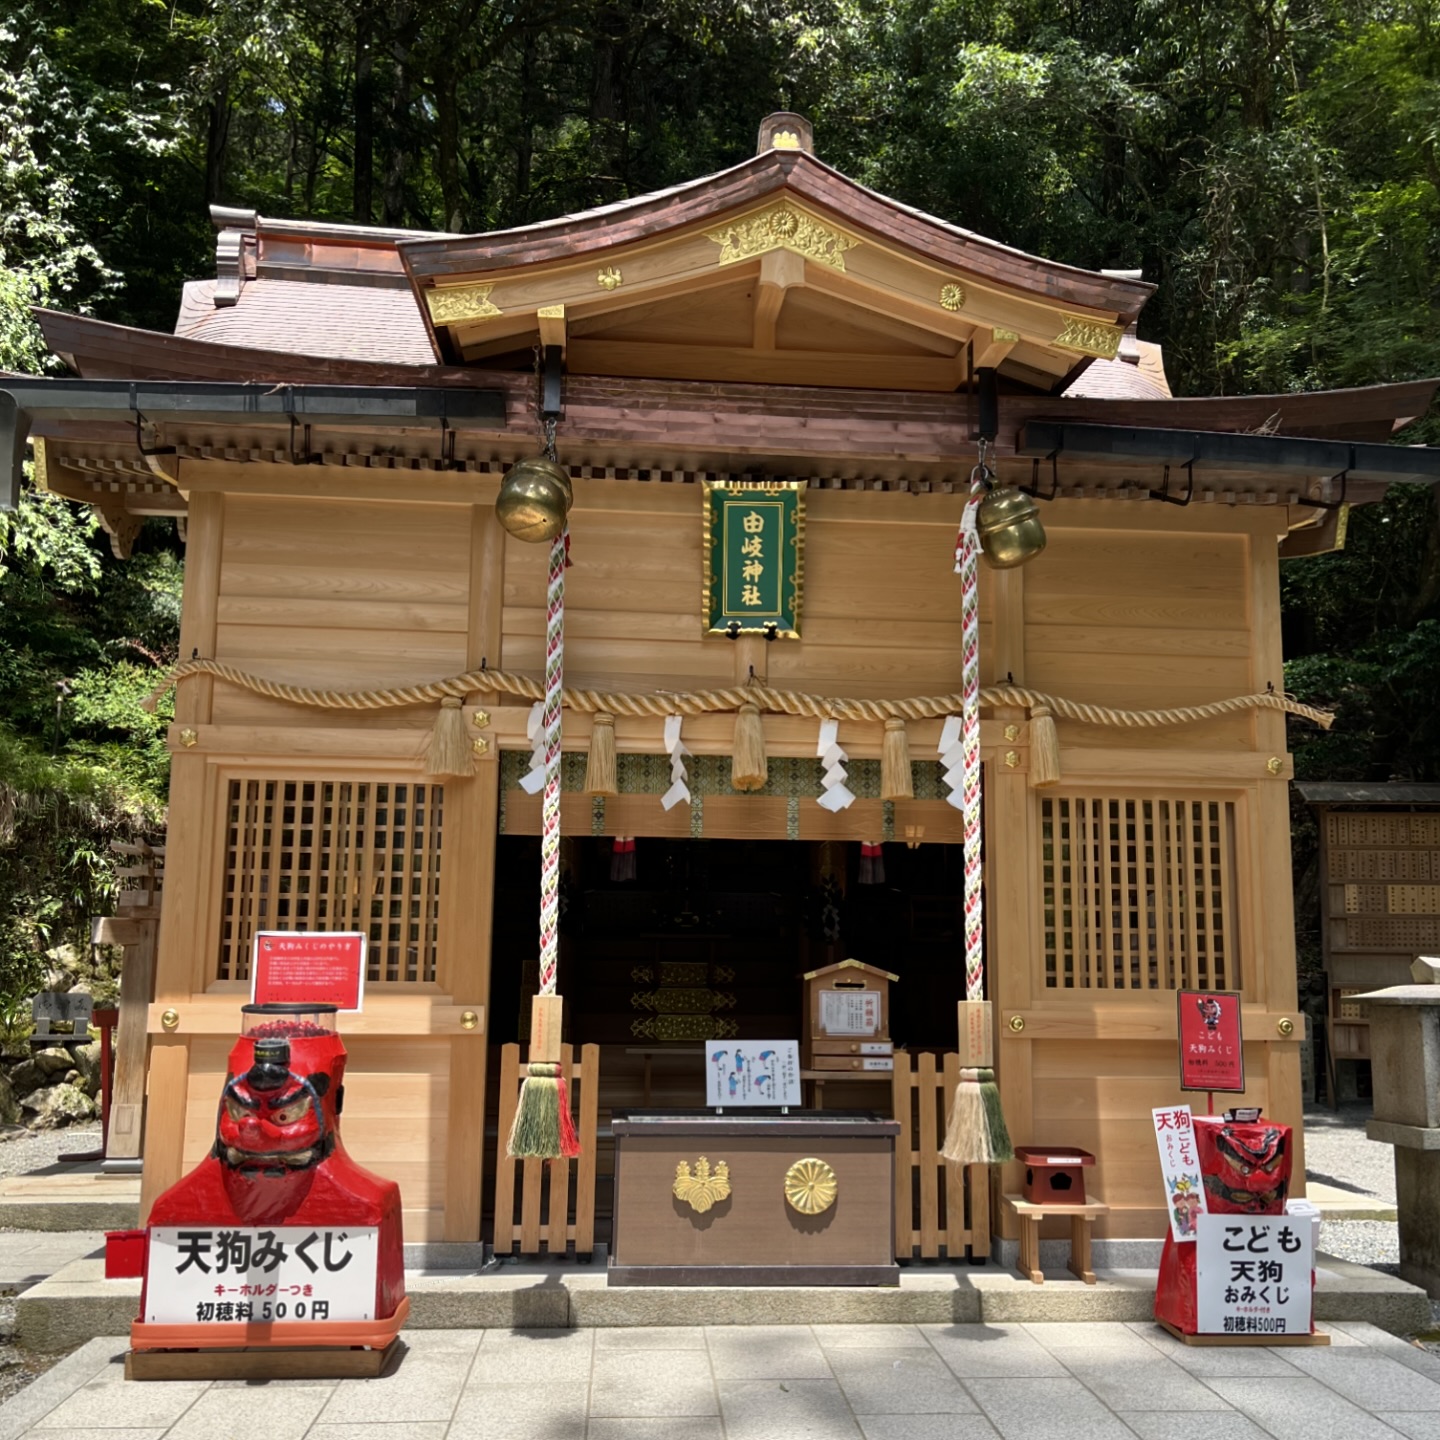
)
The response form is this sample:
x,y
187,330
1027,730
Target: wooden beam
x,y
780,367
992,346
552,325
779,270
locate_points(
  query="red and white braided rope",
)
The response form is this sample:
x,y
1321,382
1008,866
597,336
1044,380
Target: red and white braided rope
x,y
968,558
550,723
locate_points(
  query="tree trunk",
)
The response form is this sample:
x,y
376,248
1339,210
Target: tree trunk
x,y
217,141
364,104
399,140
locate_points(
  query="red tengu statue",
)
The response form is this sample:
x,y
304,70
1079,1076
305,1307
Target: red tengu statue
x,y
278,1158
1245,1168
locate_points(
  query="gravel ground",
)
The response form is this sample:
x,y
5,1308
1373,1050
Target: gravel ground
x,y
1338,1153
23,1153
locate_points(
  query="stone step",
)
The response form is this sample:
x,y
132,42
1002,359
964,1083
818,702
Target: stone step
x,y
78,1304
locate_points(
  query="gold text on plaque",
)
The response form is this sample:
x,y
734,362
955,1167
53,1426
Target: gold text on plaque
x,y
1089,337
703,1189
782,227
810,1186
452,303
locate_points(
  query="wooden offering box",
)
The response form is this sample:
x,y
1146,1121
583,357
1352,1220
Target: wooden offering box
x,y
757,1199
1054,1175
847,1019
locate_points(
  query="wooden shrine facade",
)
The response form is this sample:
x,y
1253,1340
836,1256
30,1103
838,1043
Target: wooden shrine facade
x,y
330,424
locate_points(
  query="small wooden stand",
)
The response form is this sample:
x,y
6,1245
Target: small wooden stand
x,y
1030,1215
259,1364
1204,1340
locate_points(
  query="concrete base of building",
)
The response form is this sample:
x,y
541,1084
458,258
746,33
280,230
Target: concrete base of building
x,y
77,1303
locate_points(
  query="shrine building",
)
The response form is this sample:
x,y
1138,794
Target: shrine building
x,y
329,426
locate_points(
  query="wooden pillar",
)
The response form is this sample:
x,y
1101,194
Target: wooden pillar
x,y
137,982
1009,855
1269,973
185,957
468,895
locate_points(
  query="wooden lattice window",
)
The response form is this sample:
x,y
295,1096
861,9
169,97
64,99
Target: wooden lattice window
x,y
334,855
1139,894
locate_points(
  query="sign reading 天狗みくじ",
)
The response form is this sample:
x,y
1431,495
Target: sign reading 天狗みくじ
x,y
754,556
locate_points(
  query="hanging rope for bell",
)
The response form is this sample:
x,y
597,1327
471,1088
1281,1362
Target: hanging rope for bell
x,y
977,1134
543,1128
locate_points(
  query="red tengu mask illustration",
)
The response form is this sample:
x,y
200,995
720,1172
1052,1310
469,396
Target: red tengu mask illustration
x,y
273,1119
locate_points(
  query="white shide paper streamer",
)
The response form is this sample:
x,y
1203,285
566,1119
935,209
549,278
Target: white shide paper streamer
x,y
835,794
677,751
533,780
952,757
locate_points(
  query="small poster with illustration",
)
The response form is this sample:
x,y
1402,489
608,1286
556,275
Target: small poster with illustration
x,y
1180,1167
752,1072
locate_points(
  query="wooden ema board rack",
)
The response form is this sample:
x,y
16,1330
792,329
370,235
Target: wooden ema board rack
x,y
847,1020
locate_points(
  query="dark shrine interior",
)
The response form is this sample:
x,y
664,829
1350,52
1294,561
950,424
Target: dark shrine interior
x,y
755,914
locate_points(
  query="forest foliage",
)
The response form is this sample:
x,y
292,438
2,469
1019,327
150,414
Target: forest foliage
x,y
1271,164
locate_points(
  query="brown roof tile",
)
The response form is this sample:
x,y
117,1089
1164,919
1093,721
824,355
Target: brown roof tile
x,y
342,322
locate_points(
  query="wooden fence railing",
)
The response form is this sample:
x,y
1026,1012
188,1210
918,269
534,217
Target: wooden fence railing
x,y
936,1204
549,1191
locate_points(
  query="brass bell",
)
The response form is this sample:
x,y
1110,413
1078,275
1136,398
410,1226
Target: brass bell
x,y
534,499
1009,526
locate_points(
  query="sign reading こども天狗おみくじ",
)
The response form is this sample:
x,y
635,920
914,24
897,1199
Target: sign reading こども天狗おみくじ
x,y
1211,1054
754,556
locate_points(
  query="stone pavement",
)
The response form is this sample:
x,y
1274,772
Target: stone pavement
x,y
825,1382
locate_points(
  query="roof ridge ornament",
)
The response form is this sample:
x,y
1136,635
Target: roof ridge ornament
x,y
784,130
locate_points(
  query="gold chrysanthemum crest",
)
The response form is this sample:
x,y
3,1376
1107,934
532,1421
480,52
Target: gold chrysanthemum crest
x,y
810,1186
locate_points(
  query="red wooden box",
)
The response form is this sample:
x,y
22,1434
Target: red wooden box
x,y
1054,1174
124,1254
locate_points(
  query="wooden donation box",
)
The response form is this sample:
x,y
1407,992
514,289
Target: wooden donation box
x,y
754,1199
847,1019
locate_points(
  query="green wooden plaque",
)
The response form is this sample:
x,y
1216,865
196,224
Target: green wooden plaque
x,y
754,556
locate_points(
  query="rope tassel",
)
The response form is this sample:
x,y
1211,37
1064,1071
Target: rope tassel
x,y
449,751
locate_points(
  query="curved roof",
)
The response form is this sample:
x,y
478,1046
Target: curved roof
x,y
759,178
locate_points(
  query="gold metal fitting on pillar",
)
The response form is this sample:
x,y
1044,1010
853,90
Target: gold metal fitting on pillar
x,y
1274,764
1017,1023
170,1019
469,1019
480,719
480,745
1286,1026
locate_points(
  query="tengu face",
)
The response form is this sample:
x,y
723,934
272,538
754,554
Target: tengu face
x,y
272,1118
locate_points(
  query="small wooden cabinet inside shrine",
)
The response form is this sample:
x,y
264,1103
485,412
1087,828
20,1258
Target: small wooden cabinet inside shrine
x,y
847,1019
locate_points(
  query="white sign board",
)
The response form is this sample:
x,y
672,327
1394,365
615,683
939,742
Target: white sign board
x,y
199,1274
752,1072
849,1012
1184,1191
1253,1275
